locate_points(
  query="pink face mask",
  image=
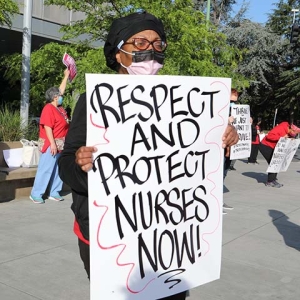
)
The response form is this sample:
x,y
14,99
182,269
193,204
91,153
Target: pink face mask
x,y
150,67
146,62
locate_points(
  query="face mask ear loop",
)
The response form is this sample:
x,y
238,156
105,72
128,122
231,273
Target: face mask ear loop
x,y
123,66
127,52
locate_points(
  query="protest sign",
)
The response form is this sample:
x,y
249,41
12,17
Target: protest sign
x,y
283,154
69,62
155,191
241,114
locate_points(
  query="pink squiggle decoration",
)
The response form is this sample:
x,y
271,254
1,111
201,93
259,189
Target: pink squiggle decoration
x,y
101,127
98,231
118,257
218,167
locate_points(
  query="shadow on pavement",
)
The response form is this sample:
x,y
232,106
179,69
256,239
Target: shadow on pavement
x,y
289,230
225,189
260,177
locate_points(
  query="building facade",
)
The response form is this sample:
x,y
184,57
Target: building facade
x,y
46,22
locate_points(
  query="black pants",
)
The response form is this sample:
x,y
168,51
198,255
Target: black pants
x,y
84,251
267,153
254,152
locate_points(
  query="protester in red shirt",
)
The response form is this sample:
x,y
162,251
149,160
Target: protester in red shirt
x,y
268,145
53,129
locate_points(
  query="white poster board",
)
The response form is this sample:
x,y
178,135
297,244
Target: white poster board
x,y
156,190
283,154
13,157
241,114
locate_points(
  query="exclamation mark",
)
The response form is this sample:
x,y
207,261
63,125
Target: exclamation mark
x,y
198,240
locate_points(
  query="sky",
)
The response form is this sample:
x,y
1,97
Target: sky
x,y
258,9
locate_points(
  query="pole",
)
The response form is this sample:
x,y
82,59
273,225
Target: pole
x,y
294,16
207,13
26,52
274,121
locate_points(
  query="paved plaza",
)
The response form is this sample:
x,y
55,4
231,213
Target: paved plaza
x,y
261,244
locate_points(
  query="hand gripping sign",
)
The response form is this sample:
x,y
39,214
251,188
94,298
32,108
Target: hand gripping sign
x,y
155,192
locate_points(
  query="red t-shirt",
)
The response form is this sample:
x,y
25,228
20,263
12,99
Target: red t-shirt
x,y
275,134
53,118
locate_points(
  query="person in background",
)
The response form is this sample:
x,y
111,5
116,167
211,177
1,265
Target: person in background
x,y
233,101
268,144
252,159
135,45
257,126
228,165
53,128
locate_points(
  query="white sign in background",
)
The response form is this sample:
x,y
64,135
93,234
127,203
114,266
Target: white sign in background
x,y
283,154
241,114
155,193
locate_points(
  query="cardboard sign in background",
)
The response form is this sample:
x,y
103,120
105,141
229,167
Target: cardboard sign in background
x,y
283,154
241,114
155,193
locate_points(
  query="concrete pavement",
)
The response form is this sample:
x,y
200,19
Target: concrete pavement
x,y
261,241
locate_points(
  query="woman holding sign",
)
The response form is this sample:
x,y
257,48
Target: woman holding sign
x,y
268,145
135,45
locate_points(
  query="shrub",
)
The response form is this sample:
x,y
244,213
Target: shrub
x,y
10,126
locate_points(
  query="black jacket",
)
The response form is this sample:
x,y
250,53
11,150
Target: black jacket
x,y
70,172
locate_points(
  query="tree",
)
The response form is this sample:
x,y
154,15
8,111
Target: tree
x,y
287,90
192,49
7,9
220,10
281,19
47,71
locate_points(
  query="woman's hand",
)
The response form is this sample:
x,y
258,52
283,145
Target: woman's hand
x,y
230,137
84,157
53,149
230,120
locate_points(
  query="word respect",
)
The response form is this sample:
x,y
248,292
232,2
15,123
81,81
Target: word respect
x,y
193,102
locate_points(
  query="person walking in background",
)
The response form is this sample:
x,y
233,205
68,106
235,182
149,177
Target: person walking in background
x,y
53,129
268,144
252,159
135,45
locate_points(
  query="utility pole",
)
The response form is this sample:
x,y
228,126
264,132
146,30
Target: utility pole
x,y
294,16
208,13
26,52
295,29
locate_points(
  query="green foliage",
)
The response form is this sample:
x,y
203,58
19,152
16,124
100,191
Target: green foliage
x,y
7,9
281,19
219,9
286,82
47,71
193,48
10,126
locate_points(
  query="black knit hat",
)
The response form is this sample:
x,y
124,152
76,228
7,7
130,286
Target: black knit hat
x,y
125,27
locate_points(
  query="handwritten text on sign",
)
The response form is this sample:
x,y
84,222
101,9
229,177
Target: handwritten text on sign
x,y
283,154
241,114
155,193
